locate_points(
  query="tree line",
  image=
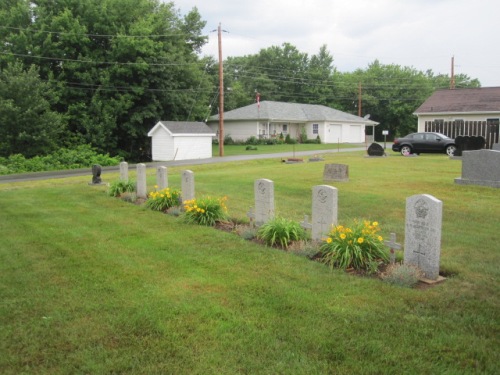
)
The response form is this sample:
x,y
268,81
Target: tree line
x,y
103,72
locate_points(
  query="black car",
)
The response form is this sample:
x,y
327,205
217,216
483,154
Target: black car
x,y
416,143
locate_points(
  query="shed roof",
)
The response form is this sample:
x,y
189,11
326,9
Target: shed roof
x,y
292,112
183,127
485,99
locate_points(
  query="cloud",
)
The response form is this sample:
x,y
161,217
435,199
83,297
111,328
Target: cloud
x,y
423,34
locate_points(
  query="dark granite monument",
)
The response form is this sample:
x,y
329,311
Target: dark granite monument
x,y
376,150
468,143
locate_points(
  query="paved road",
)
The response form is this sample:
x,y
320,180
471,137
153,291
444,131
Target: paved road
x,y
174,163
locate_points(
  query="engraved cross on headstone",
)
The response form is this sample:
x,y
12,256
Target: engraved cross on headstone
x,y
393,245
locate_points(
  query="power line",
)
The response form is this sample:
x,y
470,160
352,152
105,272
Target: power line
x,y
94,35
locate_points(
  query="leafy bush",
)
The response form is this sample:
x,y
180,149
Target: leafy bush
x,y
228,140
404,275
205,211
281,232
357,247
252,141
117,188
163,200
83,156
251,148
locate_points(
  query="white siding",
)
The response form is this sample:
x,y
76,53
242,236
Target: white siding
x,y
166,147
237,130
195,147
162,145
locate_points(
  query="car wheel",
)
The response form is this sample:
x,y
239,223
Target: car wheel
x,y
405,150
450,150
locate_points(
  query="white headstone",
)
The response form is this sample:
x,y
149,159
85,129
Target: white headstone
x,y
162,178
324,210
187,185
423,234
124,171
264,201
141,181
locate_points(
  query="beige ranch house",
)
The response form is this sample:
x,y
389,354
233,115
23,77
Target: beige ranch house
x,y
270,119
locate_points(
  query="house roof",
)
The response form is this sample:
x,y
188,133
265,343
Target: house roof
x,y
290,112
485,99
182,127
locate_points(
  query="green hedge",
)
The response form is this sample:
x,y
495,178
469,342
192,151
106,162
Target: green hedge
x,y
79,157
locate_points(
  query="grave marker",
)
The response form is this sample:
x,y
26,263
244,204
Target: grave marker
x,y
375,150
423,234
141,181
162,178
96,175
187,185
393,245
480,167
324,210
124,171
336,172
264,201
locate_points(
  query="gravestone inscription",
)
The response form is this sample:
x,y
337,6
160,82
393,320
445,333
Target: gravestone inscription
x,y
324,210
423,234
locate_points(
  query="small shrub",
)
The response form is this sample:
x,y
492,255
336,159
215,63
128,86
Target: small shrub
x,y
248,234
117,188
355,247
252,141
403,275
281,232
163,199
228,140
205,211
250,148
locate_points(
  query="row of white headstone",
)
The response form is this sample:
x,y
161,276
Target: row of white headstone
x,y
187,181
422,225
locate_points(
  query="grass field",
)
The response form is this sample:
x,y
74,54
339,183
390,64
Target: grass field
x,y
90,284
230,150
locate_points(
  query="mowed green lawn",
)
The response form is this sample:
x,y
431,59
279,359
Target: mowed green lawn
x,y
93,285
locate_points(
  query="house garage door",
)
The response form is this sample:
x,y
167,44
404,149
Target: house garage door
x,y
355,134
334,133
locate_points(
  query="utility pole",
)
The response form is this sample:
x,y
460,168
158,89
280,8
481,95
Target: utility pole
x,y
452,80
221,96
359,99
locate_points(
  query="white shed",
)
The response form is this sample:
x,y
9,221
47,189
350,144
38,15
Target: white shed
x,y
177,140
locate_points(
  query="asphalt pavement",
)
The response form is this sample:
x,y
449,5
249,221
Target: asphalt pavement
x,y
173,163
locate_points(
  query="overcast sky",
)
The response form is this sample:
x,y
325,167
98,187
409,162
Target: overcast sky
x,y
423,34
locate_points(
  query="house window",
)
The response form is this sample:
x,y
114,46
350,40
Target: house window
x,y
315,128
285,128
